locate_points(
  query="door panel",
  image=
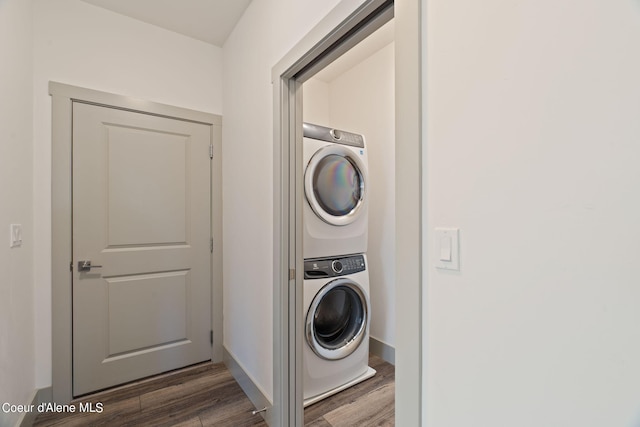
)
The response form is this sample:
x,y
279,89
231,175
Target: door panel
x,y
141,211
139,198
163,299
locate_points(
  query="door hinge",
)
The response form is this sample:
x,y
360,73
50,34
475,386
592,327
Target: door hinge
x,y
292,273
211,336
211,245
71,266
211,151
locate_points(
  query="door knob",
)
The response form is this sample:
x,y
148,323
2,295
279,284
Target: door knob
x,y
86,265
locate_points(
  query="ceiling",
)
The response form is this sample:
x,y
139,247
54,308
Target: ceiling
x,y
210,21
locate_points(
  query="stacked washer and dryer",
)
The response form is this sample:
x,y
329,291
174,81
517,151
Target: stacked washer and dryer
x,y
336,280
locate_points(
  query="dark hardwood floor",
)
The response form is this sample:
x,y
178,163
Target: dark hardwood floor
x,y
207,395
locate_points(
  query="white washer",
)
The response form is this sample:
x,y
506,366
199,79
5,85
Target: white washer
x,y
337,316
335,213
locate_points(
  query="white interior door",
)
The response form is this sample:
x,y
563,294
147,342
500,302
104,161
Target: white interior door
x,y
142,217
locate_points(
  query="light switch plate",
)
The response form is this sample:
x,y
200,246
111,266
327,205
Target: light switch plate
x,y
15,235
447,248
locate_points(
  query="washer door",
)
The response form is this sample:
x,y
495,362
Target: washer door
x,y
337,319
335,184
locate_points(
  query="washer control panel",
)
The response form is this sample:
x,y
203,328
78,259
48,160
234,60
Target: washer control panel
x,y
318,268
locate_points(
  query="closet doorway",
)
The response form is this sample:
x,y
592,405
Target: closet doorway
x,y
337,33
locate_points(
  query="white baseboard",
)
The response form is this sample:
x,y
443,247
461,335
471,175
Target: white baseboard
x,y
43,395
382,350
249,386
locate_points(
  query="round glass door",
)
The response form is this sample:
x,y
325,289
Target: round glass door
x,y
337,319
335,185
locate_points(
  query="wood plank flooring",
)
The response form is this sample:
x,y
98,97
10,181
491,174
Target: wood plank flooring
x,y
207,395
370,403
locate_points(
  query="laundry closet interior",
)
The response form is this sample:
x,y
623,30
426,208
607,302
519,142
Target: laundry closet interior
x,y
349,110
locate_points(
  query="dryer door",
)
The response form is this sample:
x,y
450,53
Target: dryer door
x,y
337,319
335,184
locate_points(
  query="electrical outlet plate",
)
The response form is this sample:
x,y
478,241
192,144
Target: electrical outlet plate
x,y
15,235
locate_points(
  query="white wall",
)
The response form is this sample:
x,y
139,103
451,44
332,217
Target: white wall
x,y
532,148
83,45
266,32
362,100
315,102
17,351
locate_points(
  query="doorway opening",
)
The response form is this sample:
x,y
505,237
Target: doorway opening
x,y
354,97
289,77
132,307
356,93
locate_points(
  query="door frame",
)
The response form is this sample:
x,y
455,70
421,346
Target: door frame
x,y
63,96
347,24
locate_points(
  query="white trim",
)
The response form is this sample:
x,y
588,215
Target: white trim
x,y
107,99
61,245
410,396
254,392
63,96
38,396
383,350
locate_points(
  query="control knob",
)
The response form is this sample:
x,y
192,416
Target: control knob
x,y
336,266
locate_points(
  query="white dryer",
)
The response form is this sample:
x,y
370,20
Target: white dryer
x,y
337,317
335,212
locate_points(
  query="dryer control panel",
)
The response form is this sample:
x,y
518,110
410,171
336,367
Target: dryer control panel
x,y
332,135
333,267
